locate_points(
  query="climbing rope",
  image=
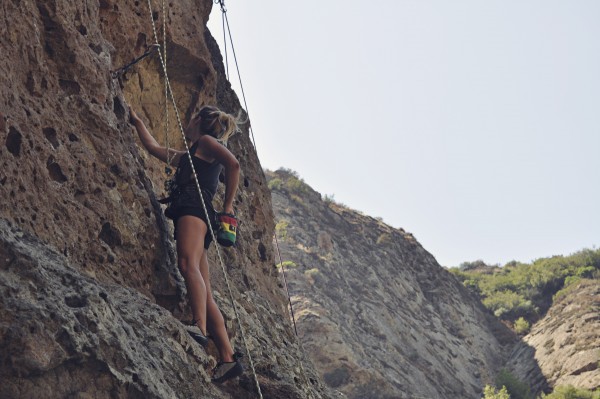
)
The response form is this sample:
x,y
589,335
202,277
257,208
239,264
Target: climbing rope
x,y
226,22
230,291
293,317
168,169
286,284
223,11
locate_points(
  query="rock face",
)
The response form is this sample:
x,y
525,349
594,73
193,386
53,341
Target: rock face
x,y
94,340
90,296
377,314
565,343
90,293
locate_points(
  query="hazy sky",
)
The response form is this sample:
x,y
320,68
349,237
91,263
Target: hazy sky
x,y
474,125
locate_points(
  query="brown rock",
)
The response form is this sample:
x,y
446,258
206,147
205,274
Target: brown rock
x,y
87,254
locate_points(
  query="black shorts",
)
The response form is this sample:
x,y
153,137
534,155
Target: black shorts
x,y
199,213
186,201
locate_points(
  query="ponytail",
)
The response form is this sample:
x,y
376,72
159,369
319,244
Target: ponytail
x,y
219,124
230,125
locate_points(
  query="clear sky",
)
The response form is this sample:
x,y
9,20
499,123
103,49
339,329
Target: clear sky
x,y
474,125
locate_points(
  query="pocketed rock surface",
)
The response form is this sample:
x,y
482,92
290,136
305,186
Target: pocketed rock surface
x,y
377,314
91,299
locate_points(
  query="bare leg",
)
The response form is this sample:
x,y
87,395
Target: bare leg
x,y
216,323
190,251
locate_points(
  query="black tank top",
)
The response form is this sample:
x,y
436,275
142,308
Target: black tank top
x,y
207,172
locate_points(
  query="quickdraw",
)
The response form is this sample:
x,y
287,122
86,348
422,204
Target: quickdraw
x,y
119,72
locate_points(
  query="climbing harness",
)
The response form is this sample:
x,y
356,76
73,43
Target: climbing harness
x,y
119,72
210,227
228,237
224,219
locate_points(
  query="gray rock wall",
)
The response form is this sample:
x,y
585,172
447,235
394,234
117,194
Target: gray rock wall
x,y
377,314
564,346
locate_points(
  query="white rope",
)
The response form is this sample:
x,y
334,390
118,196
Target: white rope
x,y
226,22
226,29
300,348
170,90
169,159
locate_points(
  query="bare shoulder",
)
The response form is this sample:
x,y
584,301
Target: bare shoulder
x,y
208,143
212,148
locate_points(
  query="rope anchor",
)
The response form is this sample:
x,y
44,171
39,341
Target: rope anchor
x,y
222,4
119,72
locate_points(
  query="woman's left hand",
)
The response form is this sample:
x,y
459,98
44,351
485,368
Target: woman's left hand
x,y
133,117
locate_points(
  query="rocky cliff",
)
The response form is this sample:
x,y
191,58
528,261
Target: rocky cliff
x,y
90,298
565,343
377,314
91,301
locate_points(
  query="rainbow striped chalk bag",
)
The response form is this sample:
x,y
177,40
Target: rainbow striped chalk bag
x,y
227,229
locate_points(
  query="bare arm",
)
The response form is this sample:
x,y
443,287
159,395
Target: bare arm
x,y
150,144
213,149
232,179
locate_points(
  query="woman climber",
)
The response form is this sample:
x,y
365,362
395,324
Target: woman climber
x,y
205,129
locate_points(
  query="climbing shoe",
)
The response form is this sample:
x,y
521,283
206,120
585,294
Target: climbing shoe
x,y
196,333
227,370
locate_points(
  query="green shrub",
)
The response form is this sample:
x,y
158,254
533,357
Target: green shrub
x,y
527,290
312,272
585,272
298,200
275,184
522,326
288,264
570,392
516,388
281,229
384,239
511,264
508,304
570,284
288,171
489,392
296,185
289,181
465,266
472,285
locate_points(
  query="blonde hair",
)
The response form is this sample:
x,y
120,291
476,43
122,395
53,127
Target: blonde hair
x,y
217,123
